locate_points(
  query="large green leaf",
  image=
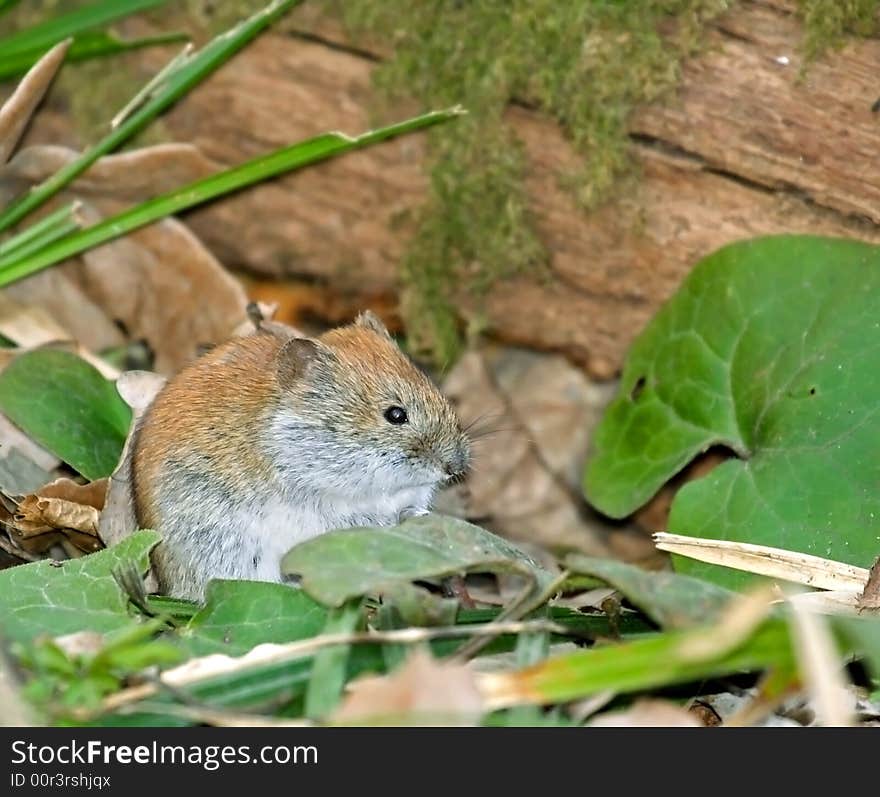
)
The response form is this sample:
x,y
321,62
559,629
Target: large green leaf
x,y
238,615
772,348
58,598
346,564
65,404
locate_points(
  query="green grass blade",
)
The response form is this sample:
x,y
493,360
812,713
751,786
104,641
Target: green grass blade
x,y
88,45
642,664
44,35
331,664
41,241
178,83
284,160
44,226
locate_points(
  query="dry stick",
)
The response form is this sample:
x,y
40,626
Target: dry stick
x,y
800,568
207,667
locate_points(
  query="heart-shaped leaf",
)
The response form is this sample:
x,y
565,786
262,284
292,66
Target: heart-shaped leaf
x,y
57,598
771,348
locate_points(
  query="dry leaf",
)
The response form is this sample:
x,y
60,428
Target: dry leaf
x,y
18,109
56,513
870,596
92,494
423,691
648,714
531,417
31,327
138,389
159,284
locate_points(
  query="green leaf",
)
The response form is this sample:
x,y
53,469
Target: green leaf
x,y
771,347
671,600
65,404
238,615
58,598
297,156
346,564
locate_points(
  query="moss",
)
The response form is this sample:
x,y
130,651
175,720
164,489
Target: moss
x,y
586,64
827,22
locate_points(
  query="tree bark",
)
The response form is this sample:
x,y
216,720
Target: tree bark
x,y
744,147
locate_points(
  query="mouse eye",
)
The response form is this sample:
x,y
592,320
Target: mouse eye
x,y
396,415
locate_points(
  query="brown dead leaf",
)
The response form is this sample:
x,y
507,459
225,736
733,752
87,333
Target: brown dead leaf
x,y
56,513
648,714
531,416
61,512
16,112
423,691
92,494
870,596
32,327
158,284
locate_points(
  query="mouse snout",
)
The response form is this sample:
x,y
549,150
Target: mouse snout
x,y
456,465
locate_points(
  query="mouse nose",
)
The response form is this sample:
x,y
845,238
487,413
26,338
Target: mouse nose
x,y
457,465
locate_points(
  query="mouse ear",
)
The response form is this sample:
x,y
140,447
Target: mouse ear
x,y
295,359
369,320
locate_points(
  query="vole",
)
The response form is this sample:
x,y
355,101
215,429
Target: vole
x,y
269,440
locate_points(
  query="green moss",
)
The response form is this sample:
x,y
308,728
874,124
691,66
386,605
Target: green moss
x,y
586,64
828,22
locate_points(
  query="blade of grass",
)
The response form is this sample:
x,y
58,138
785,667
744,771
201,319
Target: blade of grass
x,y
633,666
331,664
56,232
287,159
43,35
52,221
84,46
531,649
191,72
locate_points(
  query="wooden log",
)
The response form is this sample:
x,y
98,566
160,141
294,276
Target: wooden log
x,y
744,147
